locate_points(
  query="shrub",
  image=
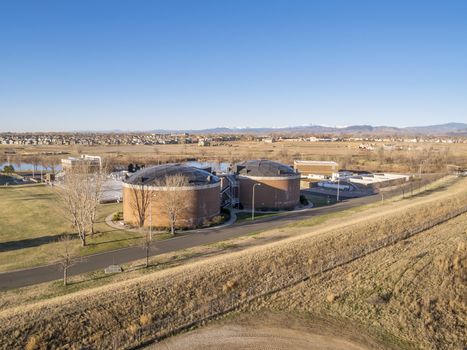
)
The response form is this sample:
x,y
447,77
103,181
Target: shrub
x,y
117,216
8,169
32,343
216,220
132,328
145,319
331,297
229,285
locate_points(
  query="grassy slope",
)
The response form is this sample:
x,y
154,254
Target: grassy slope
x,y
413,290
31,221
177,291
409,295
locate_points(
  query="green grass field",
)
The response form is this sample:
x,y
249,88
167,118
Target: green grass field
x,y
31,222
246,216
320,201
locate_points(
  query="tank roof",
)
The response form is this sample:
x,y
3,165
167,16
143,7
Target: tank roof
x,y
264,167
156,175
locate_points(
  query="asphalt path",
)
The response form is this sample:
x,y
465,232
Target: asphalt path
x,y
46,273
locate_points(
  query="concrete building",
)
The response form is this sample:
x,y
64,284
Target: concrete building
x,y
201,195
276,186
315,169
95,162
379,180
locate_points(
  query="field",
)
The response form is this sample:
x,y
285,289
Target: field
x,y
319,201
31,222
432,156
365,272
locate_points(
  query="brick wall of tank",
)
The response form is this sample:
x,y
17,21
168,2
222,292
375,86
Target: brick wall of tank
x,y
202,204
273,193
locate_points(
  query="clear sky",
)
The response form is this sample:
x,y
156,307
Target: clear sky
x,y
172,64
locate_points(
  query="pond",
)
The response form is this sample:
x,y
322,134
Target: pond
x,y
29,166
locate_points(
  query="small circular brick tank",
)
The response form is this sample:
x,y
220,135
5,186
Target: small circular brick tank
x,y
279,185
201,196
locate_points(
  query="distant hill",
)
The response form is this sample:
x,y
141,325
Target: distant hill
x,y
447,128
451,129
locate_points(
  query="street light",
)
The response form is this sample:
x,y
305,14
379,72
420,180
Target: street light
x,y
253,202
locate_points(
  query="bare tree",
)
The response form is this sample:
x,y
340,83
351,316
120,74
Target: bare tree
x,y
141,196
381,155
172,200
44,166
35,161
283,155
67,256
16,160
95,194
53,163
80,196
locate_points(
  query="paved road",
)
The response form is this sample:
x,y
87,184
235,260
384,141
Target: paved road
x,y
20,278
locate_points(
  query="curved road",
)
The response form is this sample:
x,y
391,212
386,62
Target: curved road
x,y
45,273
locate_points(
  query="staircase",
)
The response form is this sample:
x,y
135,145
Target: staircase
x,y
229,195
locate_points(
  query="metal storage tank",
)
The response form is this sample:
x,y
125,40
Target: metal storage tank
x,y
276,185
201,195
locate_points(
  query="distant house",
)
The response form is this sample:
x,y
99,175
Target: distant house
x,y
204,142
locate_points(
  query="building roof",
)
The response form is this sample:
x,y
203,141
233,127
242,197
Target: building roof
x,y
315,162
265,168
156,175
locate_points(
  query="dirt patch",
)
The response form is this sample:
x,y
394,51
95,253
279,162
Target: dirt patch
x,y
272,332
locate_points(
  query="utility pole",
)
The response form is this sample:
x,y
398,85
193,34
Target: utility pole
x,y
153,195
150,220
253,202
419,177
338,183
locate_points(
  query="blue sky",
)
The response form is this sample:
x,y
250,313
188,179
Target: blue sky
x,y
172,64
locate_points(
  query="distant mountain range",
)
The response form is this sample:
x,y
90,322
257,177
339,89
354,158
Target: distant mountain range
x,y
450,129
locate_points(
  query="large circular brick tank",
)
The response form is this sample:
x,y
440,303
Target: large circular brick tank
x,y
201,196
278,185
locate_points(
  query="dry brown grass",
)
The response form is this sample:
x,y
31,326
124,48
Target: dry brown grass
x,y
414,289
93,318
432,155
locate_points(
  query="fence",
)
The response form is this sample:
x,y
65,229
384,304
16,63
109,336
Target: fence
x,y
172,324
